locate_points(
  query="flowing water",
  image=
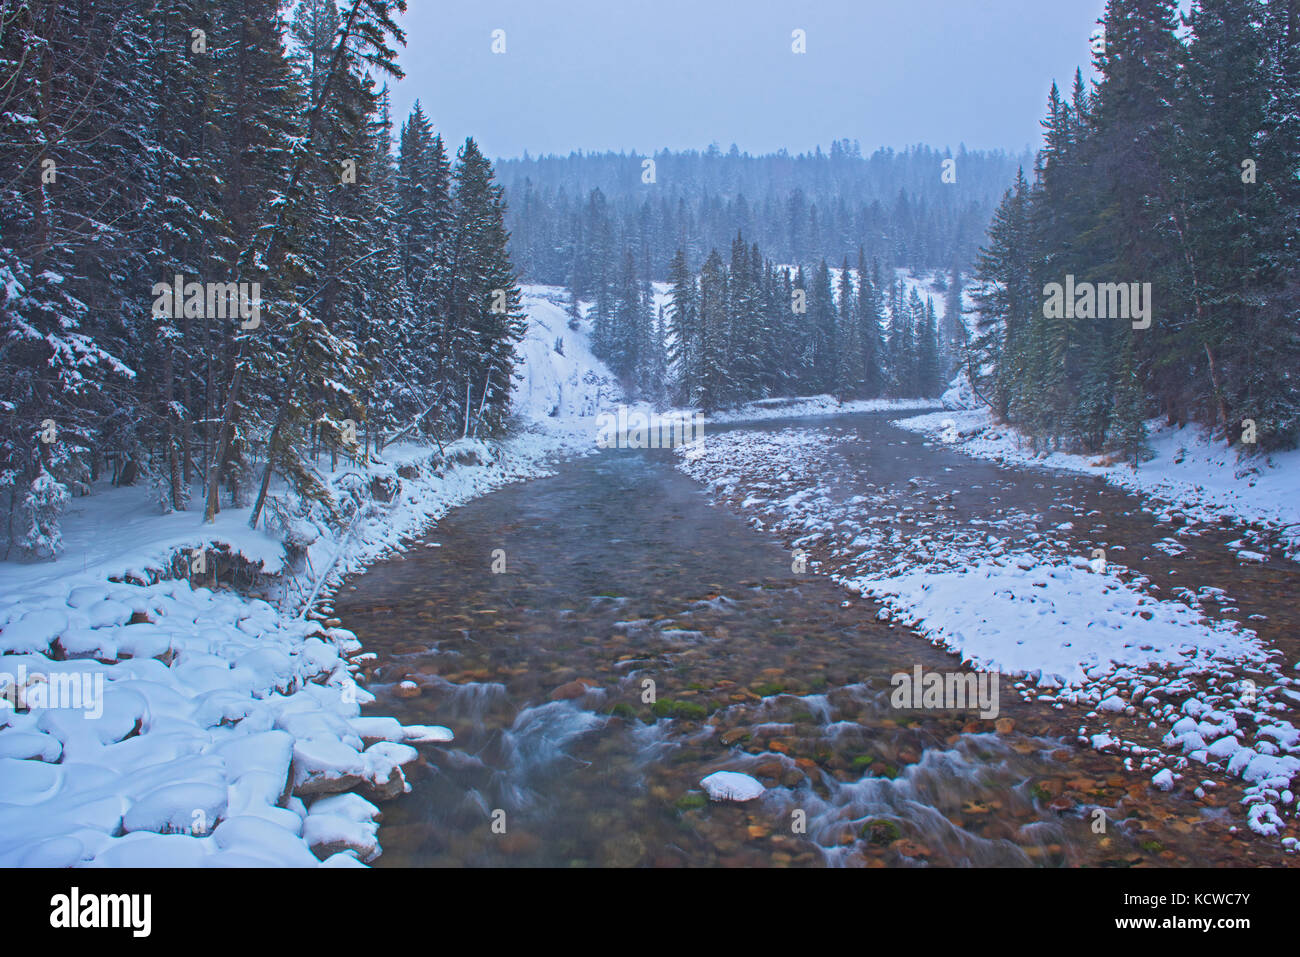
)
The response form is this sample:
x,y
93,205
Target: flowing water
x,y
624,585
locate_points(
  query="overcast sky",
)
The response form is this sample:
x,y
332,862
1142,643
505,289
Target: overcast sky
x,y
632,76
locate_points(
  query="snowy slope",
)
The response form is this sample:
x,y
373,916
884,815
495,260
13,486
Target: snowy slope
x,y
566,383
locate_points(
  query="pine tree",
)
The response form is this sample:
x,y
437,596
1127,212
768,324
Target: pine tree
x,y
483,317
821,320
850,370
745,323
870,324
1128,425
1005,302
42,507
683,333
270,230
713,383
77,215
384,304
928,377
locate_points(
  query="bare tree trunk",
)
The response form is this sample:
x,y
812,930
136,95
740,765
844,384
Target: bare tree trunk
x,y
222,449
176,491
1198,307
482,405
281,420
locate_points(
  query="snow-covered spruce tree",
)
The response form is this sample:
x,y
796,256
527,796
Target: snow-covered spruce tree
x,y
1128,415
952,328
344,234
1266,381
1238,100
43,505
658,379
683,337
902,343
744,325
384,303
482,316
1005,301
63,246
797,333
821,321
928,378
423,218
649,347
625,332
777,360
870,328
850,354
712,382
266,197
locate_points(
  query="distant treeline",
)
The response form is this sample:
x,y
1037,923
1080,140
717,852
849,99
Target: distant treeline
x,y
573,218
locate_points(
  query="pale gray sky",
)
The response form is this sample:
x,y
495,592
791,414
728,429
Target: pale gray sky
x,y
613,74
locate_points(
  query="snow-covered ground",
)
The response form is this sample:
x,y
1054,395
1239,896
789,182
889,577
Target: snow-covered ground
x,y
1206,481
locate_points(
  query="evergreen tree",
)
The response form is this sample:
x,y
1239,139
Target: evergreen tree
x,y
821,321
713,383
482,320
683,333
850,353
928,377
871,329
1005,302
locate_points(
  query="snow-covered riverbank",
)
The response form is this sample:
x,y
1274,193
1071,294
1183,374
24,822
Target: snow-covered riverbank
x,y
1007,595
167,699
1188,472
164,721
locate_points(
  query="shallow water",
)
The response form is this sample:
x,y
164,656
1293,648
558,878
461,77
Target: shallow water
x,y
619,572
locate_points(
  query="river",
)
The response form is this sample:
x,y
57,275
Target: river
x,y
602,639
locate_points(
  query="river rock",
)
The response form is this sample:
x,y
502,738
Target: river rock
x,y
324,766
427,734
731,786
372,730
570,690
384,779
341,823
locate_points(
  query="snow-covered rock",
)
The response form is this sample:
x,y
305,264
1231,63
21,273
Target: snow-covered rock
x,y
731,786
